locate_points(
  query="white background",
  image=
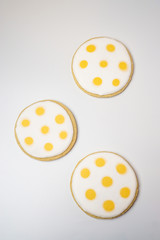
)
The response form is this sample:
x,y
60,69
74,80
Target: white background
x,y
37,41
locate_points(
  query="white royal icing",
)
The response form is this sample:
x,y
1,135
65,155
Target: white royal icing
x,y
85,76
80,185
37,149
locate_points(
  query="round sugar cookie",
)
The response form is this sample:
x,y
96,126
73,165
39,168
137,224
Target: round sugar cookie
x,y
46,130
104,185
102,67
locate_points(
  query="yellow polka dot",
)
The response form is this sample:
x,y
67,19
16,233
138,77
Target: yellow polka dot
x,y
110,48
40,111
100,162
125,192
59,119
115,82
123,66
85,173
48,146
97,81
108,205
63,134
90,194
107,181
91,48
83,64
45,129
28,140
103,63
25,123
121,169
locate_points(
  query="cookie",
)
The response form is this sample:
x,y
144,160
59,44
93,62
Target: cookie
x,y
102,67
104,185
46,130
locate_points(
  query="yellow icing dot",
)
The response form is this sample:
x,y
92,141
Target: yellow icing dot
x,y
90,194
91,48
48,146
45,129
115,82
83,64
108,205
103,63
25,123
59,119
28,140
63,134
85,173
40,111
97,81
123,66
100,162
121,169
125,192
107,181
110,47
